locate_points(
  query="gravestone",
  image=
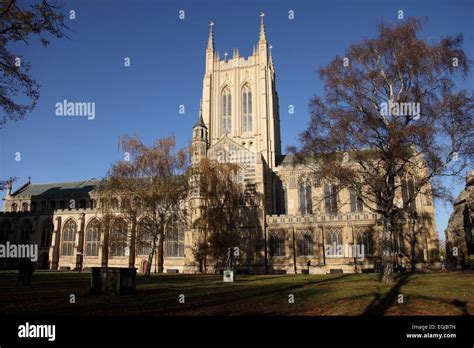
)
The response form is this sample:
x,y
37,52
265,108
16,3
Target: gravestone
x,y
113,280
229,276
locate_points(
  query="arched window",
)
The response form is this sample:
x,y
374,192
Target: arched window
x,y
408,194
175,241
25,232
92,238
46,232
14,208
330,198
305,244
246,109
137,203
114,203
24,207
125,204
282,199
364,237
357,204
305,194
69,237
226,111
334,246
118,237
401,242
238,176
277,244
144,238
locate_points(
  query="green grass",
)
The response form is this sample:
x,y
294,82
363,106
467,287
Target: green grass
x,y
431,293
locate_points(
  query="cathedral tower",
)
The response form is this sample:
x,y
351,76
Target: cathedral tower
x,y
240,101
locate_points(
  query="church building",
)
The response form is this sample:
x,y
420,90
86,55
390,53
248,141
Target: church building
x,y
298,219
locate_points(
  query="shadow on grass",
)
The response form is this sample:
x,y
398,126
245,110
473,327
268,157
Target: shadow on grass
x,y
379,306
234,296
462,305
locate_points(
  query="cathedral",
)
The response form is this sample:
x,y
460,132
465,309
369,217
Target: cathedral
x,y
300,225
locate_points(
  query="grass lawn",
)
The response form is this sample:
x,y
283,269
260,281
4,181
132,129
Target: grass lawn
x,y
430,293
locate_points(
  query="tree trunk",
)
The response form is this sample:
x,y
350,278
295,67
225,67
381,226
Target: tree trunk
x,y
413,242
132,249
387,251
105,247
160,252
150,258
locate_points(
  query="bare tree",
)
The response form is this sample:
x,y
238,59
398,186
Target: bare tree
x,y
392,108
221,200
19,23
150,185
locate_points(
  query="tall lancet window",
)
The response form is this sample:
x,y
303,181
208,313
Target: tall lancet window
x,y
247,109
305,192
226,111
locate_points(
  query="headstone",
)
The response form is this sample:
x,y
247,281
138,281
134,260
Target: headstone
x,y
113,280
229,276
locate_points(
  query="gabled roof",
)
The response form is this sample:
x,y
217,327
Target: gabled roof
x,y
55,189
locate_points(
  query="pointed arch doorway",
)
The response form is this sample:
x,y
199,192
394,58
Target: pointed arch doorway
x,y
144,266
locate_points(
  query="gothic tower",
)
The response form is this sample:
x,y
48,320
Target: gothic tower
x,y
199,141
239,99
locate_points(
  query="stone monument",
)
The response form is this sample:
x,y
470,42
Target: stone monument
x,y
229,273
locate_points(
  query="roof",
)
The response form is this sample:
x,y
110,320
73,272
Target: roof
x,y
200,122
53,189
285,160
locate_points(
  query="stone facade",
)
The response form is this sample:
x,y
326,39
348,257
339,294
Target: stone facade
x,y
459,242
293,217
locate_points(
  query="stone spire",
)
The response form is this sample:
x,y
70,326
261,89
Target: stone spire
x,y
262,29
200,121
210,41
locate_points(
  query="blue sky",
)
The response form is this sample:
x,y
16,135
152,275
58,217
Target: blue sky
x,y
167,66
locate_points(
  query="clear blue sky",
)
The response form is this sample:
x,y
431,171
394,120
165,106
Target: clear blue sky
x,y
167,66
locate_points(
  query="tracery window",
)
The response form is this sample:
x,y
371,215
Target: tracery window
x,y
226,111
246,109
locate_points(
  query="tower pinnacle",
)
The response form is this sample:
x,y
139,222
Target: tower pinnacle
x,y
200,121
210,41
262,28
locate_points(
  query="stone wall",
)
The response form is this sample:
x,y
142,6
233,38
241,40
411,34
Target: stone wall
x,y
459,242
